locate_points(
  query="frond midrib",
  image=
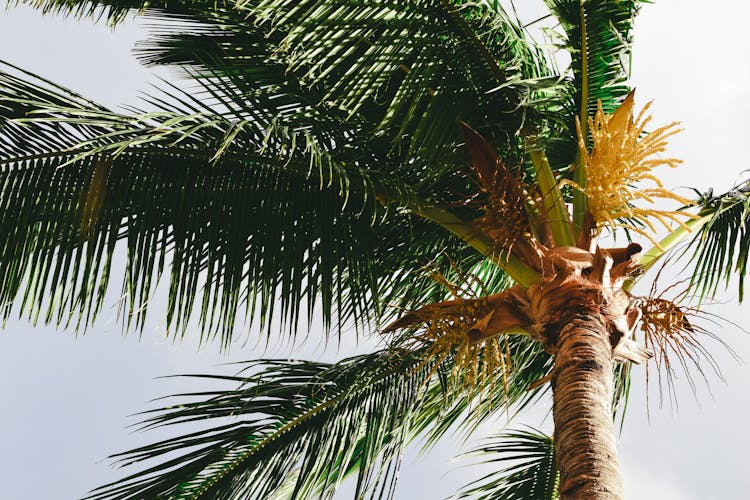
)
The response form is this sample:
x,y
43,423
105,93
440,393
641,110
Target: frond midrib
x,y
307,415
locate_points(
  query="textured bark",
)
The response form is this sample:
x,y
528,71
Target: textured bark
x,y
584,434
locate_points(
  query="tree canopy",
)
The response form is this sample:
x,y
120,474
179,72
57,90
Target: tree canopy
x,y
314,162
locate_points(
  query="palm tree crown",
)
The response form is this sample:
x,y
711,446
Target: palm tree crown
x,y
419,168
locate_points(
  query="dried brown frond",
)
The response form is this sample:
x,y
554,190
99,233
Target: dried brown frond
x,y
505,219
622,156
503,195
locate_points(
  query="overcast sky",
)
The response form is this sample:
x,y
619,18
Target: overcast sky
x,y
65,400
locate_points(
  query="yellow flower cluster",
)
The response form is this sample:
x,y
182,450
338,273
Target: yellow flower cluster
x,y
474,366
623,155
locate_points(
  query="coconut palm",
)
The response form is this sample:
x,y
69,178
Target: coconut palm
x,y
420,169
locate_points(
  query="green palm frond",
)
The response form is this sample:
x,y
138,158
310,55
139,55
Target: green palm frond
x,y
66,206
721,247
304,427
598,36
424,62
262,133
113,12
532,472
231,215
606,29
718,241
316,421
413,68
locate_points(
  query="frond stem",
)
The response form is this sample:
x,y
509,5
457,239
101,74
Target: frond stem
x,y
553,202
306,415
511,265
670,241
579,174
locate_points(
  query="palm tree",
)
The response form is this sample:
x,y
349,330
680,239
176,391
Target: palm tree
x,y
419,168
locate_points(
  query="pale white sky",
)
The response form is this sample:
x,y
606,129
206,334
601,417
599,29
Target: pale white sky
x,y
65,399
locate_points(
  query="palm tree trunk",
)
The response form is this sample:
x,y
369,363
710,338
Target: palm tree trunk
x,y
584,431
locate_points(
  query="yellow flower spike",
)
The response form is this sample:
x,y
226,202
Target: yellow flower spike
x,y
622,156
475,367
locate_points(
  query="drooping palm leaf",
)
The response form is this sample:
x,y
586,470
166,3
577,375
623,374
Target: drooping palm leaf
x,y
310,419
315,423
112,12
721,247
431,63
413,68
232,230
718,241
532,472
259,106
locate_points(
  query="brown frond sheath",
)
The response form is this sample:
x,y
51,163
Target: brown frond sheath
x,y
506,312
588,232
563,257
626,263
569,272
423,314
